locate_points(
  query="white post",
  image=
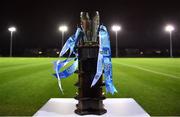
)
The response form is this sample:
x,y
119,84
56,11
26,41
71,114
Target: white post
x,y
62,38
63,29
116,45
170,50
116,28
11,39
170,28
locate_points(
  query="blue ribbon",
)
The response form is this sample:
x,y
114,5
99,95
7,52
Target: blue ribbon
x,y
104,61
69,45
71,42
68,71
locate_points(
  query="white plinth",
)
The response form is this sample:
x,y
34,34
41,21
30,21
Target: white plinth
x,y
64,107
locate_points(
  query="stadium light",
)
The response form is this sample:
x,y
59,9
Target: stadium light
x,y
11,29
170,28
116,29
63,29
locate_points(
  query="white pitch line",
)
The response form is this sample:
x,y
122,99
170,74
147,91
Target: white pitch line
x,y
148,70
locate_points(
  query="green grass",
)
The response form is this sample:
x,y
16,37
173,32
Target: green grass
x,y
27,83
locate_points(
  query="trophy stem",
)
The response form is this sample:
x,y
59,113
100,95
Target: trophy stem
x,y
90,99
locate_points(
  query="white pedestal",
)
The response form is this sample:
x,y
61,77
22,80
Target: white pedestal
x,y
64,107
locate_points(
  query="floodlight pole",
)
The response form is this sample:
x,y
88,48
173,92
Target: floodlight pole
x,y
11,29
63,29
170,50
11,39
62,38
116,45
170,28
116,28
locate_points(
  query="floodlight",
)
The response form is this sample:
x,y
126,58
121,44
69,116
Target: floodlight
x,y
63,28
116,28
169,28
12,29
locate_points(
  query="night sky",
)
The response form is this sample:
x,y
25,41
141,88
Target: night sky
x,y
37,22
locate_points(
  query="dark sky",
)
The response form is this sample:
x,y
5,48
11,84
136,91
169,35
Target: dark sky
x,y
37,21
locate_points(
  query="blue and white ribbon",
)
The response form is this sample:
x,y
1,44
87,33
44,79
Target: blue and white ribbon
x,y
104,61
69,45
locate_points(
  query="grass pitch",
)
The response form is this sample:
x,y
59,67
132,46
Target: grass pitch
x,y
27,83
